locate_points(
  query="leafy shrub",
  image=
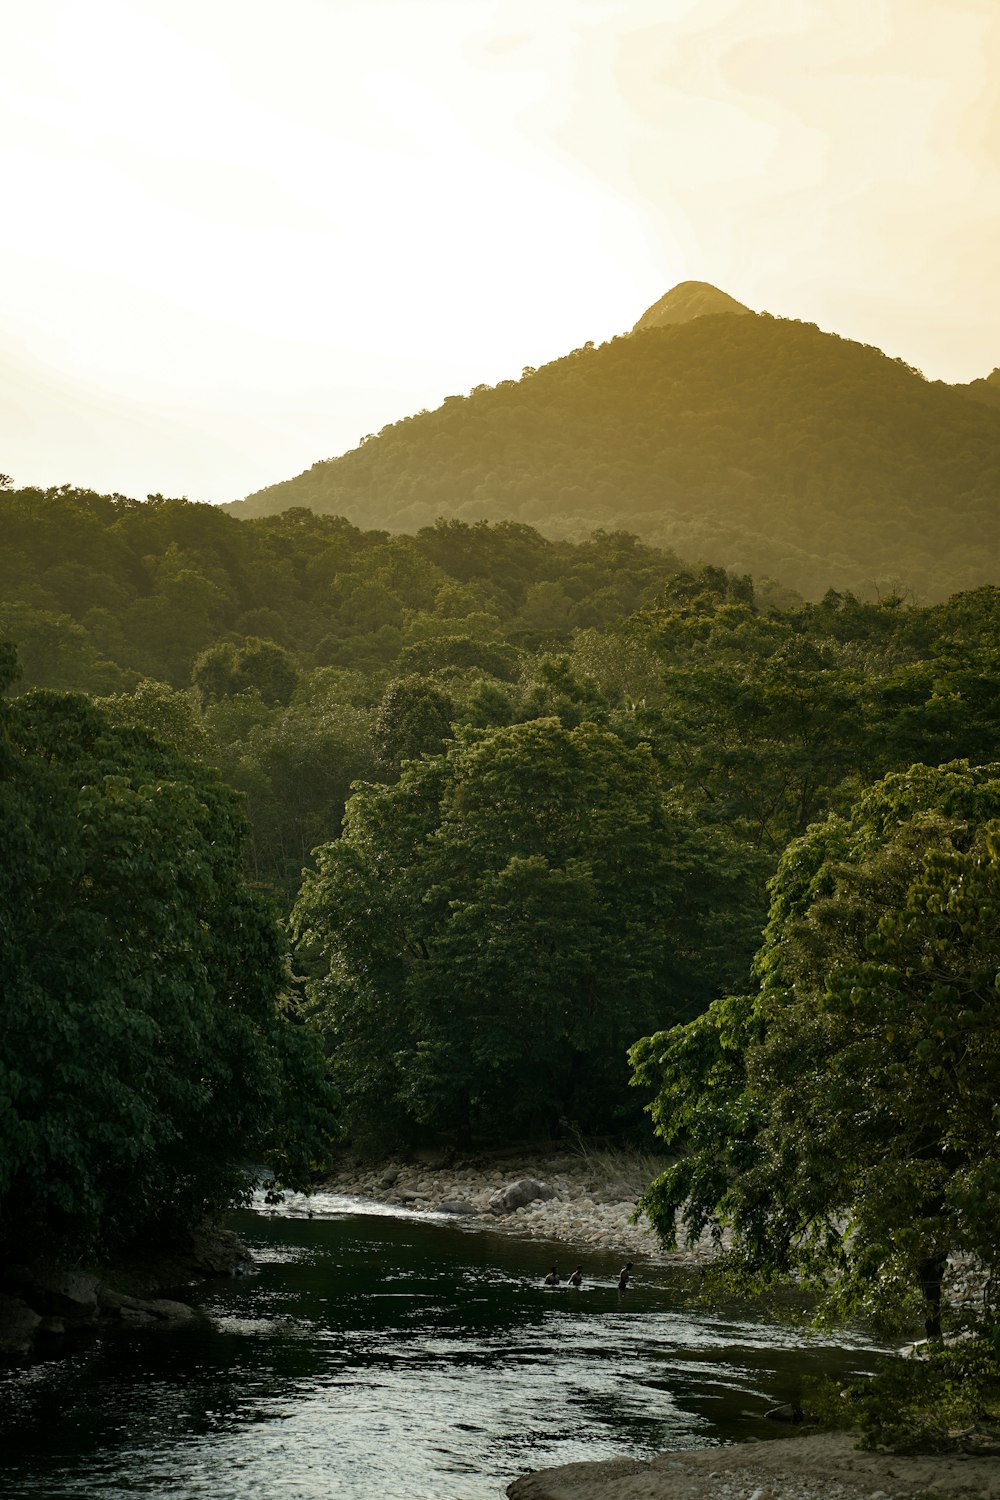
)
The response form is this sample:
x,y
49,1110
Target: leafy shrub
x,y
945,1399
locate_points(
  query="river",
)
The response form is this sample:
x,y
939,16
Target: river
x,y
378,1356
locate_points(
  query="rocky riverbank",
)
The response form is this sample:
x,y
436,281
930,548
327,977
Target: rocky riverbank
x,y
588,1200
583,1199
44,1304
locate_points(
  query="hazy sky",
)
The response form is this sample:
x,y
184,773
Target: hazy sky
x,y
237,235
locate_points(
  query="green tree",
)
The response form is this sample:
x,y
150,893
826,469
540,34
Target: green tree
x,y
555,691
546,610
169,715
414,718
10,667
145,1048
843,1123
491,933
250,665
942,708
458,653
297,768
756,723
55,652
166,629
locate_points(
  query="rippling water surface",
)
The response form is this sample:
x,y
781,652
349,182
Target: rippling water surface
x,y
395,1357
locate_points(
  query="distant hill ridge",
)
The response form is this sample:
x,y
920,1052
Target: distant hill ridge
x,y
758,443
986,390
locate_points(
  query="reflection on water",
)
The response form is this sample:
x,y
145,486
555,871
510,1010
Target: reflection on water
x,y
393,1358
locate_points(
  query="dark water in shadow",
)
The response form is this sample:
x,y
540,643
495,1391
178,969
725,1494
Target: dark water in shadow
x,y
397,1358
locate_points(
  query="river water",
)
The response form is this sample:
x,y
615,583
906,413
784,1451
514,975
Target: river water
x,y
378,1356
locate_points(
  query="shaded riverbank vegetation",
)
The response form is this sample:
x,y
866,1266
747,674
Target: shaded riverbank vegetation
x,y
146,1049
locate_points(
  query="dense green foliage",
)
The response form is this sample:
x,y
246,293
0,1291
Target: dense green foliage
x,y
761,713
144,1050
280,639
565,773
497,926
945,1401
759,444
842,1123
100,591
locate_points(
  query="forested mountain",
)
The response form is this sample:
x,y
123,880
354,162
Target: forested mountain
x,y
987,390
756,443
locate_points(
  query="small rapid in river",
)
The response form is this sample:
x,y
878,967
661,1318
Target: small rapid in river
x,y
394,1356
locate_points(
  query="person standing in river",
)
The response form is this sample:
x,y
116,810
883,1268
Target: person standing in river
x,y
623,1277
552,1279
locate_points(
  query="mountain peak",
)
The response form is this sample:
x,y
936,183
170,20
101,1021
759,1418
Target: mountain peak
x,y
685,301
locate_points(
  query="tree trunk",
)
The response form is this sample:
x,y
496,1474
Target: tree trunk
x,y
929,1274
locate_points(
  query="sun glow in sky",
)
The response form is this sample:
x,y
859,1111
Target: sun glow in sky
x,y
238,235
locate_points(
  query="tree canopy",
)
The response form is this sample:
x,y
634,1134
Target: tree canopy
x,y
842,1123
146,1050
495,929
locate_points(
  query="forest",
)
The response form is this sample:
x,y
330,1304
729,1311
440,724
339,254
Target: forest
x,y
759,444
474,836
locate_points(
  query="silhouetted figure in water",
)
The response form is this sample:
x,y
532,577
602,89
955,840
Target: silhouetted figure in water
x,y
577,1277
623,1277
552,1279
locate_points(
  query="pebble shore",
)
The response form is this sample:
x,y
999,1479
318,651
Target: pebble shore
x,y
593,1203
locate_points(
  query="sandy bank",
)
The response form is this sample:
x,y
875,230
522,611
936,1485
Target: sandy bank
x,y
826,1466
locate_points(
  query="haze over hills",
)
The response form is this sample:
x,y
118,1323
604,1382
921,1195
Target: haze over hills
x,y
758,443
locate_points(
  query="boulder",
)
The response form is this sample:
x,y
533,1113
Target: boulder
x,y
435,1160
784,1413
137,1311
18,1325
165,1310
218,1252
193,1257
518,1194
56,1291
134,1317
